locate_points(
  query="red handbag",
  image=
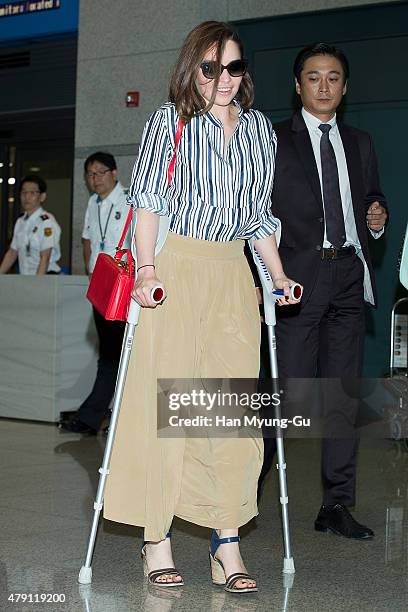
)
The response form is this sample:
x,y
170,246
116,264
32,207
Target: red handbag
x,y
112,280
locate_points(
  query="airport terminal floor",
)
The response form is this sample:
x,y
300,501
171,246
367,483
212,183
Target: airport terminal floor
x,y
48,483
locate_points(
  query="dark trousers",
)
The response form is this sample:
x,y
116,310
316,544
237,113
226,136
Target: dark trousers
x,y
325,337
110,334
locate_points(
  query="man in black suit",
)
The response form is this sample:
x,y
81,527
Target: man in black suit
x,y
328,198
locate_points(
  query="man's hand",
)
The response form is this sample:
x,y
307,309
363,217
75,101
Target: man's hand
x,y
376,216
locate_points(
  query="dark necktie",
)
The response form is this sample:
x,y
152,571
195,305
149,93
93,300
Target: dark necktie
x,y
333,210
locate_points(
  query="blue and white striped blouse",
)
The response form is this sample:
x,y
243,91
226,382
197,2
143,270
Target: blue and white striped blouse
x,y
213,195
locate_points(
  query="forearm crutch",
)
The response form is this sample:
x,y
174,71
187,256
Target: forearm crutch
x,y
270,295
85,574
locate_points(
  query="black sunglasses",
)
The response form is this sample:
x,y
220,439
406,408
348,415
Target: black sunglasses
x,y
235,68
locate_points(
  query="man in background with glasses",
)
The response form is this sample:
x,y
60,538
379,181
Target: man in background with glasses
x,y
36,236
104,220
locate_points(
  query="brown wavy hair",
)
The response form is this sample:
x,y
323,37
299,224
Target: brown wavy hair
x,y
183,90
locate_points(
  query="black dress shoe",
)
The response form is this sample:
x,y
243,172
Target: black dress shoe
x,y
338,520
68,415
78,426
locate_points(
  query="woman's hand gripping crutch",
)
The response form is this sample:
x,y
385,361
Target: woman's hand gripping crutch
x,y
280,291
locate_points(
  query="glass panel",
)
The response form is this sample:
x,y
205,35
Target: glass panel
x,y
2,192
12,200
8,199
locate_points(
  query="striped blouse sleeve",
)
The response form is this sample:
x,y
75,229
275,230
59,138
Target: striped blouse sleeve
x,y
268,223
149,186
271,225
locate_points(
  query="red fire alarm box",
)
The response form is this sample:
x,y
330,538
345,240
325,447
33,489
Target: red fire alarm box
x,y
132,98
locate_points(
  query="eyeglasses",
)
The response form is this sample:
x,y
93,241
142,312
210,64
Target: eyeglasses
x,y
29,193
100,173
236,68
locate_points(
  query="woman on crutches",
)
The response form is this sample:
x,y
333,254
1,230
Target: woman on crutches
x,y
208,327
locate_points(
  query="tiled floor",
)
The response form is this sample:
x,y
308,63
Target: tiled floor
x,y
47,484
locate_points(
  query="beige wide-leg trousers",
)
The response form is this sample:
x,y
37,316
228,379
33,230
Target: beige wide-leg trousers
x,y
208,327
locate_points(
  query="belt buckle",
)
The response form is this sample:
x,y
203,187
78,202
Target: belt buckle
x,y
334,253
330,253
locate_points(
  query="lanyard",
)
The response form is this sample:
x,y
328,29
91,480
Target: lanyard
x,y
103,234
27,236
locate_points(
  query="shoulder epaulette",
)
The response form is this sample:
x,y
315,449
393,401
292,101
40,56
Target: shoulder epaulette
x,y
44,217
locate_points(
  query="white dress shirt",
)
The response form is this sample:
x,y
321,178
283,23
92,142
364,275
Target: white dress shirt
x,y
312,124
104,222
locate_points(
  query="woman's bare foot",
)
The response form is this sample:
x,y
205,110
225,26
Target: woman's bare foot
x,y
230,557
158,556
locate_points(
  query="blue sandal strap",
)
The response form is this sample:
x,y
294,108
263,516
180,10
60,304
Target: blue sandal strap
x,y
216,541
226,540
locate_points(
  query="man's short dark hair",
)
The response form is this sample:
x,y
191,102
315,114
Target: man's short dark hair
x,y
103,158
34,178
320,49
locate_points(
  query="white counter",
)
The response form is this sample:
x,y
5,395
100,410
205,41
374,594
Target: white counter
x,y
48,345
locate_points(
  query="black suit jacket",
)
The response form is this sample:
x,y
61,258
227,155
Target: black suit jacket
x,y
297,199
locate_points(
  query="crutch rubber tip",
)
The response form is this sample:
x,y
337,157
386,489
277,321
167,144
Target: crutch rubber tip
x,y
288,566
85,575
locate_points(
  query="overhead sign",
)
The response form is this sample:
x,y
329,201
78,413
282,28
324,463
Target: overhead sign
x,y
22,7
37,18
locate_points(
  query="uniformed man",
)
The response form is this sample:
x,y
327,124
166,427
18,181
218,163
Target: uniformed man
x,y
107,209
104,221
36,236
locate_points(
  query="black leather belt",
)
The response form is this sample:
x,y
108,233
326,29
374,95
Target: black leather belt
x,y
333,253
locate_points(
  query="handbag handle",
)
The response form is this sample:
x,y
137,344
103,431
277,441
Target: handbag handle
x,y
120,253
170,173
